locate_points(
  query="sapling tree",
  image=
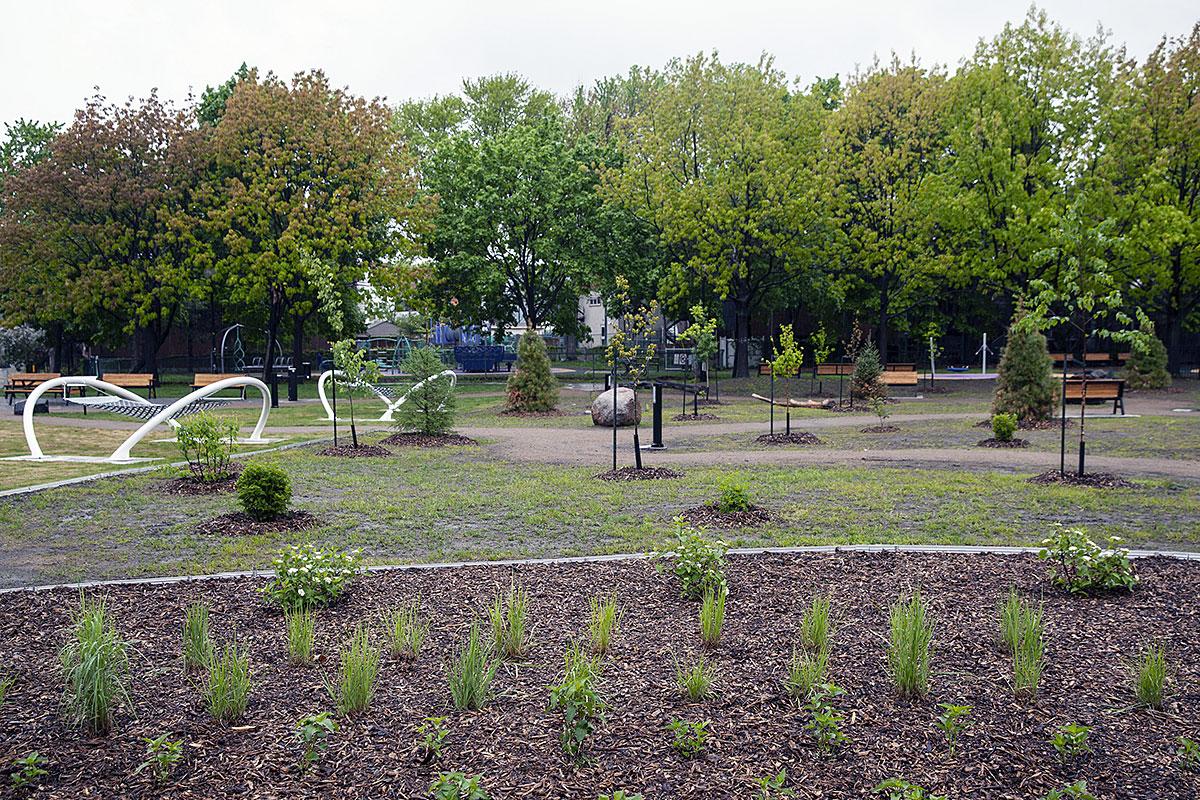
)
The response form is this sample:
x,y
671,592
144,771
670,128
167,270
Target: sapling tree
x,y
356,370
822,347
786,363
334,307
632,349
430,404
702,333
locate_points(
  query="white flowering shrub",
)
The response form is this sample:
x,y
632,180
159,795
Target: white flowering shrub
x,y
307,576
1081,565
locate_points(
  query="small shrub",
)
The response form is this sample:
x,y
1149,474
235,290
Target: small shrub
x,y
1004,426
1025,385
879,408
471,673
1071,741
816,625
603,622
429,408
698,562
620,794
1075,791
1188,754
825,721
1151,676
773,787
733,495
408,630
712,615
433,733
696,678
576,696
689,736
162,754
953,721
197,642
532,387
510,624
228,687
26,770
313,732
1081,565
897,789
301,632
96,665
457,786
265,491
206,445
357,673
306,576
908,648
805,673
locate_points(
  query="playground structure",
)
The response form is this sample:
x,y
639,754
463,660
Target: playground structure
x,y
384,392
117,400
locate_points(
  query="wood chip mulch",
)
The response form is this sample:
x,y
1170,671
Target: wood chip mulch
x,y
701,417
880,429
554,412
710,516
755,731
1044,425
798,437
994,442
189,485
635,474
238,523
350,451
1097,480
428,440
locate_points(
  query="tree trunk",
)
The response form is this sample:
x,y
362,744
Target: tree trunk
x,y
297,340
741,332
274,317
1174,340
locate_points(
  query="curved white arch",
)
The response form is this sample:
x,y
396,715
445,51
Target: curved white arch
x,y
392,405
167,413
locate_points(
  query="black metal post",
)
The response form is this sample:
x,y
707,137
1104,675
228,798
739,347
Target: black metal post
x,y
657,441
274,388
293,390
772,399
614,413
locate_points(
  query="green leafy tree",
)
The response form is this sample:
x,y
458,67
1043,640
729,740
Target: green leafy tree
x,y
1025,386
211,107
702,333
25,143
631,350
429,408
1147,367
785,366
532,387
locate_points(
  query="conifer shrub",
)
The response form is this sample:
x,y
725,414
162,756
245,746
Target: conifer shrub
x,y
866,383
429,408
1025,385
1147,367
531,387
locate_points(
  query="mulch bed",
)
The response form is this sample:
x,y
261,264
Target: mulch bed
x,y
513,741
238,523
189,485
635,474
710,516
350,451
1097,480
701,417
994,442
798,437
554,412
1044,425
428,440
880,429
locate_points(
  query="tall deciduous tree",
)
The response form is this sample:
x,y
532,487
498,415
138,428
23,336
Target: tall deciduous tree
x,y
720,165
303,167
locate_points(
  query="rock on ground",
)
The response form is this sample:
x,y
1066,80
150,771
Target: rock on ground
x,y
628,411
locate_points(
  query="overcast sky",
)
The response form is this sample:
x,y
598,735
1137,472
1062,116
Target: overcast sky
x,y
53,52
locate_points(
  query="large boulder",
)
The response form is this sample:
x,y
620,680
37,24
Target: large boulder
x,y
628,411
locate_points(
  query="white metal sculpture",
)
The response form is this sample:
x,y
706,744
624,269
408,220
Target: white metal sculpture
x,y
384,393
126,398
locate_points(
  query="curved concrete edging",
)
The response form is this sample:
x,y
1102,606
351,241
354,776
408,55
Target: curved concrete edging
x,y
516,562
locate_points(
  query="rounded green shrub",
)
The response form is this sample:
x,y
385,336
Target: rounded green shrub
x,y
265,491
1004,426
733,496
1025,385
1147,368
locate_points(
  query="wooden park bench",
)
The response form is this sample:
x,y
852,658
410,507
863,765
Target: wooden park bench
x,y
26,382
203,379
899,377
899,367
830,368
132,380
1099,390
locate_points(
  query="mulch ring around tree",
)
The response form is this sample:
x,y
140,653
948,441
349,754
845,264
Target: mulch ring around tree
x,y
428,440
190,485
350,451
880,429
701,417
755,730
797,437
709,516
1037,425
994,442
239,523
1097,480
635,474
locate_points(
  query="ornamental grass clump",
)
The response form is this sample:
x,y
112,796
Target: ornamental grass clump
x,y
301,632
95,663
816,625
509,615
1022,631
712,615
227,690
806,671
308,576
407,630
197,641
696,677
470,674
908,646
604,620
264,491
1079,565
1150,676
358,670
